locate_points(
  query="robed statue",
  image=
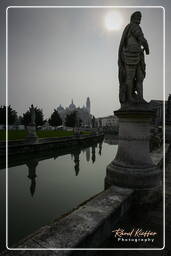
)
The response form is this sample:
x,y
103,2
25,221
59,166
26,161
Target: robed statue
x,y
132,68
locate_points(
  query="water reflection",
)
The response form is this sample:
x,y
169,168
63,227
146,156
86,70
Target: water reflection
x,y
88,154
52,183
111,139
32,164
93,158
77,161
100,148
32,161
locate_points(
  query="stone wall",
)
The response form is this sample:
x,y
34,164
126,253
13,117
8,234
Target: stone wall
x,y
86,227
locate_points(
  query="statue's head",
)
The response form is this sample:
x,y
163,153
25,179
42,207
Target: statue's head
x,y
136,17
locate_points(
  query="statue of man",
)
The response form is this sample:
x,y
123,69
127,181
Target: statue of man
x,y
131,61
33,115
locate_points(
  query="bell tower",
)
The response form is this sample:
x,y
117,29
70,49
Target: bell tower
x,y
88,105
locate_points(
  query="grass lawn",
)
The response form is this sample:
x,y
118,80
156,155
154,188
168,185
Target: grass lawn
x,y
13,135
19,135
58,133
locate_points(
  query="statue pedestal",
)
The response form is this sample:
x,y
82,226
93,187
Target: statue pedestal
x,y
133,166
168,131
76,131
32,136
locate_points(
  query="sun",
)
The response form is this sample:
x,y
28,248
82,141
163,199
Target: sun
x,y
113,20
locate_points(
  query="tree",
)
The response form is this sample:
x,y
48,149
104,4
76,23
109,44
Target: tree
x,y
80,122
26,119
55,119
3,115
12,115
71,119
39,116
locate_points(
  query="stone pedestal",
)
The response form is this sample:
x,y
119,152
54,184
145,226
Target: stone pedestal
x,y
32,135
168,131
133,166
77,132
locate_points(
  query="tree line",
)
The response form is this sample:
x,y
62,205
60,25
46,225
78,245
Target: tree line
x,y
71,120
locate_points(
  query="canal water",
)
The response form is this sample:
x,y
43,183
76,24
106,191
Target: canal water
x,y
44,187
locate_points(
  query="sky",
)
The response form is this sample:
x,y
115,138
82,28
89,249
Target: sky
x,y
56,55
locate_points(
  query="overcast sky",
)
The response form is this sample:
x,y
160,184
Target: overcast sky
x,y
56,55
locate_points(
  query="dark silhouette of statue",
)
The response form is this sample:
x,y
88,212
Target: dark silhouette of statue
x,y
100,147
77,161
32,164
131,62
33,114
168,109
93,122
93,157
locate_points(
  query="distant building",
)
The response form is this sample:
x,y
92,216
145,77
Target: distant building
x,y
83,112
108,123
157,106
47,127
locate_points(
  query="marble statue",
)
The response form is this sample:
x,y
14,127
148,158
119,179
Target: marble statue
x,y
131,62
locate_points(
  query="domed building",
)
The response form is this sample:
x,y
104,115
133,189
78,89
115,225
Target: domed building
x,y
83,112
72,106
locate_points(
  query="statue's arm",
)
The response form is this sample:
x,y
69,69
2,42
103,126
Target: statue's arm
x,y
144,44
122,42
120,57
137,31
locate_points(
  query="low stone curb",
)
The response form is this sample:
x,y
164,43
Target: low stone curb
x,y
86,227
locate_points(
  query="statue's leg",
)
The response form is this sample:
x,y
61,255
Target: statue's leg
x,y
130,76
139,83
122,87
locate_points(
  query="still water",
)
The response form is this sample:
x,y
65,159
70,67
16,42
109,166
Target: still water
x,y
42,188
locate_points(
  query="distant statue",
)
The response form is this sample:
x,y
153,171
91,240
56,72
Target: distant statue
x,y
93,122
33,114
131,62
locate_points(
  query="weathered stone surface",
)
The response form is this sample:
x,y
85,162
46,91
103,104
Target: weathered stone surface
x,y
149,217
133,166
85,227
168,132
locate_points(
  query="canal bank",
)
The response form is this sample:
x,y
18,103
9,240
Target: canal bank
x,y
45,144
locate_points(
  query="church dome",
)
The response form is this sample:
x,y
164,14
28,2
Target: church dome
x,y
72,106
